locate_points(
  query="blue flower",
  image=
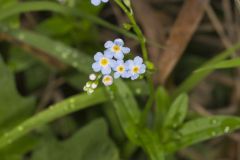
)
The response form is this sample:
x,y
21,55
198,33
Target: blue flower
x,y
116,48
120,69
136,67
103,63
97,2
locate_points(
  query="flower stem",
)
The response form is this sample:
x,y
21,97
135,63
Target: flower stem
x,y
141,39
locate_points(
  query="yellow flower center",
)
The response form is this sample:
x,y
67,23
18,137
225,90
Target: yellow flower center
x,y
120,69
104,62
135,69
107,79
116,48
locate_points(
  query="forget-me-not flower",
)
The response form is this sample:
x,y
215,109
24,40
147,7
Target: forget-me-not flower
x,y
116,48
107,80
97,2
103,63
120,69
136,67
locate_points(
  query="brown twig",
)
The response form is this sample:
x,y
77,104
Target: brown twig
x,y
181,33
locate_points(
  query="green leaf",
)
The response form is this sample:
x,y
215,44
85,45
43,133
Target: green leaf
x,y
177,111
19,148
12,21
89,143
196,77
13,107
202,129
222,65
162,106
60,109
22,7
129,116
56,49
49,26
126,109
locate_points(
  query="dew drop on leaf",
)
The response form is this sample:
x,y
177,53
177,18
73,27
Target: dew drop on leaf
x,y
20,128
213,133
138,91
214,121
226,129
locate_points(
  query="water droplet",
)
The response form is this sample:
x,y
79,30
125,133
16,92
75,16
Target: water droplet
x,y
58,48
20,128
175,125
6,134
9,141
65,55
213,133
226,129
138,90
72,100
21,36
74,55
75,64
214,121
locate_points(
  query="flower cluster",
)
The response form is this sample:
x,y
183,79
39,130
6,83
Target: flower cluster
x,y
98,2
111,64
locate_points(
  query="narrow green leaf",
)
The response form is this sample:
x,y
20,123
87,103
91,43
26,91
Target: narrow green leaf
x,y
151,144
13,107
129,117
56,49
162,106
202,129
20,147
232,63
89,143
126,109
196,77
22,7
177,111
60,109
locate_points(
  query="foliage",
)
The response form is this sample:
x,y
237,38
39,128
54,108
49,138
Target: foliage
x,y
48,61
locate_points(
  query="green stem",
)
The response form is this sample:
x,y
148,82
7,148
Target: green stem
x,y
141,39
136,29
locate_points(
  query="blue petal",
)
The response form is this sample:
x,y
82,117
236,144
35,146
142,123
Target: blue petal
x,y
120,61
104,1
106,70
135,76
129,63
113,63
119,42
95,2
96,67
108,53
126,75
143,68
138,60
119,55
108,44
116,75
125,50
98,56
